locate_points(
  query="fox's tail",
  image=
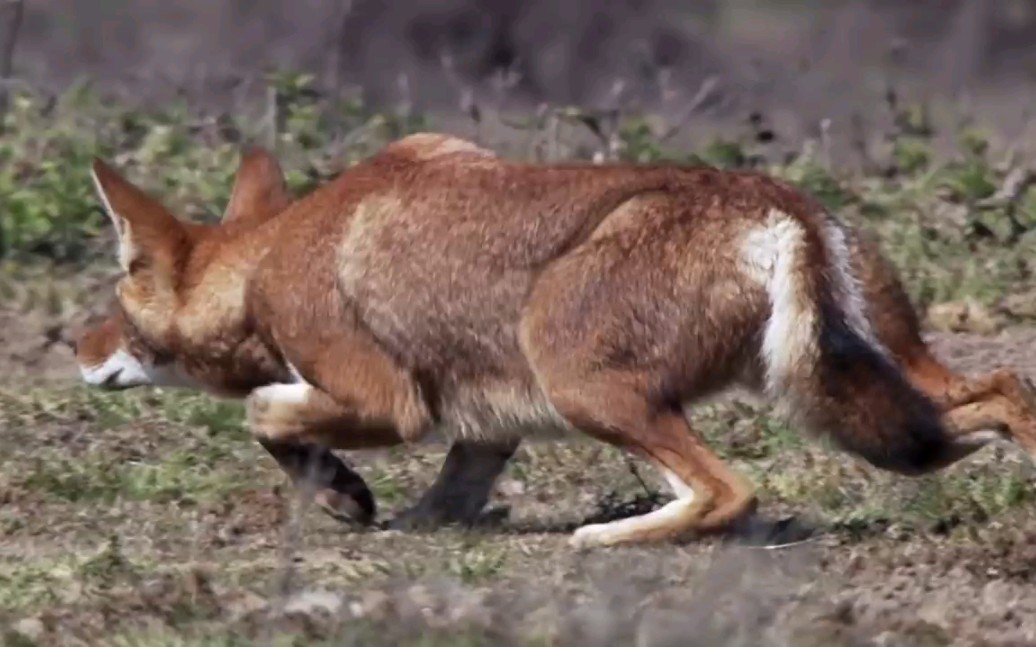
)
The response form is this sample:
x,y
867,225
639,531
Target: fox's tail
x,y
824,363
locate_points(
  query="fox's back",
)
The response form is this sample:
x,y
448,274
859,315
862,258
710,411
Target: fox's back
x,y
439,262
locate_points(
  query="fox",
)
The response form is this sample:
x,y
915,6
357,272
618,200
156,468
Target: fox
x,y
434,289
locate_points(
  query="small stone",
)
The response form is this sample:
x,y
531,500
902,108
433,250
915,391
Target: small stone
x,y
310,602
471,610
1021,305
511,487
963,316
374,604
31,628
244,604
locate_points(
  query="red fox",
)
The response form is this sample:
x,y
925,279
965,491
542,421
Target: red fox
x,y
437,289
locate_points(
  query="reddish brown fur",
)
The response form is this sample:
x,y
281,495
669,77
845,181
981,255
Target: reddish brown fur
x,y
95,344
259,191
1000,401
452,288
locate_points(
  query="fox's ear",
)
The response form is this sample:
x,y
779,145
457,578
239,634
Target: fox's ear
x,y
147,232
259,189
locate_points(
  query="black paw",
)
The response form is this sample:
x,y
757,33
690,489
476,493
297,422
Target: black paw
x,y
421,518
352,507
769,533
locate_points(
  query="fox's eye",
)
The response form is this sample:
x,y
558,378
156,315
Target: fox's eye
x,y
136,265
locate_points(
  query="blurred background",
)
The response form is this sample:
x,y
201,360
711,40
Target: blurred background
x,y
797,61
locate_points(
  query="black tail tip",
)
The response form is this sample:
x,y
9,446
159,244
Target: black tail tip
x,y
920,446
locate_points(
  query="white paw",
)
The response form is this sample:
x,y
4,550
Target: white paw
x,y
591,536
277,410
667,520
288,394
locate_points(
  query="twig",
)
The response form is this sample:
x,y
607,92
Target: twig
x,y
405,105
636,474
271,118
602,124
13,82
6,82
1011,191
14,26
786,545
704,93
825,141
553,136
467,102
336,39
1010,194
859,143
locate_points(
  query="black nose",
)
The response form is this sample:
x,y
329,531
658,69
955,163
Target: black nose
x,y
110,380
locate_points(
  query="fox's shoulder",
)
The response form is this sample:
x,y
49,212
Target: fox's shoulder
x,y
415,161
426,146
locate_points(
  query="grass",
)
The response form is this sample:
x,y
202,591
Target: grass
x,y
150,517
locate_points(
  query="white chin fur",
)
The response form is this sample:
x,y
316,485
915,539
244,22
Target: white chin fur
x,y
123,370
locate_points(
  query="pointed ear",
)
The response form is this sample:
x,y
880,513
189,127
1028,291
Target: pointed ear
x,y
259,188
147,232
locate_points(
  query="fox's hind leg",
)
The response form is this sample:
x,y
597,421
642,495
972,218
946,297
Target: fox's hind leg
x,y
710,496
613,395
620,335
996,405
1001,396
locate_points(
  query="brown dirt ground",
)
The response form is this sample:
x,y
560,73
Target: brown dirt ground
x,y
244,560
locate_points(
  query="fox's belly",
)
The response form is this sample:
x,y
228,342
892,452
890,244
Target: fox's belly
x,y
459,338
498,410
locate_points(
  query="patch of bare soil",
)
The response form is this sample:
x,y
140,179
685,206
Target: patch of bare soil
x,y
31,349
39,314
1014,348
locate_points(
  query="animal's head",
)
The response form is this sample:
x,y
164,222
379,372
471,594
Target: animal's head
x,y
176,317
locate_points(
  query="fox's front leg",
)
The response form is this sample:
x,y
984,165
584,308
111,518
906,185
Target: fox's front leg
x,y
297,423
338,490
458,495
462,487
347,395
301,414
